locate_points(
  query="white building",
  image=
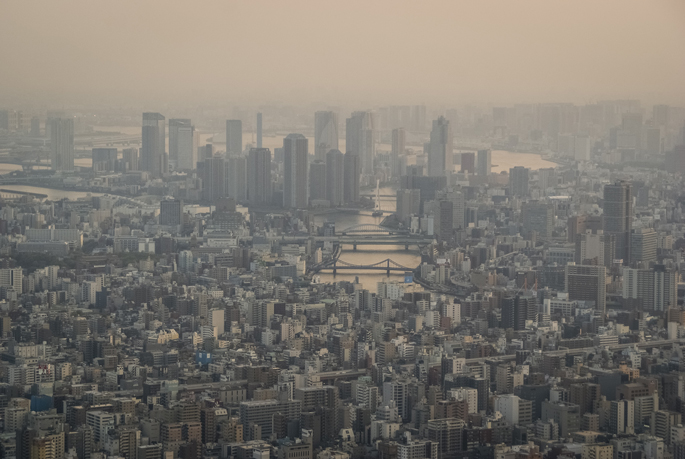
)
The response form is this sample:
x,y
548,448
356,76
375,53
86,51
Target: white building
x,y
508,405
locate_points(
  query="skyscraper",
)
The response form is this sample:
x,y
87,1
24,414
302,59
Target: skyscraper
x,y
399,141
182,144
62,144
352,165
325,133
618,216
259,130
214,184
335,177
259,176
440,155
317,180
234,137
518,181
236,178
484,165
153,157
359,138
295,171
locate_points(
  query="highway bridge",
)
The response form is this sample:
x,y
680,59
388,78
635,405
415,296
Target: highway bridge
x,y
583,350
361,235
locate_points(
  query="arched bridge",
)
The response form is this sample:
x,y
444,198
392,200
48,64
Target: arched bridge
x,y
386,265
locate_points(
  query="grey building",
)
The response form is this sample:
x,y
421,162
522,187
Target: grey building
x,y
153,157
618,217
259,176
62,144
295,171
182,144
325,133
441,152
538,217
234,137
335,177
518,181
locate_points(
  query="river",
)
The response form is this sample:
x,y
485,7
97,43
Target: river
x,y
369,254
501,160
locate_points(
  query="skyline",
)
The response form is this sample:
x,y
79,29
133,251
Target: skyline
x,y
470,53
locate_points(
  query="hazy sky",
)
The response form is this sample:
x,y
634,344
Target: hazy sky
x,y
346,51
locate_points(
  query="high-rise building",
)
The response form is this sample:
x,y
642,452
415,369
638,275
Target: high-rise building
x,y
35,127
182,144
335,177
517,310
214,186
508,406
587,283
546,178
468,162
259,176
295,171
631,125
62,144
538,217
582,149
259,130
518,181
234,137
594,249
360,139
565,415
484,165
408,204
104,159
261,413
622,417
153,158
12,278
643,243
397,392
445,220
5,326
399,141
657,287
236,178
170,212
325,133
585,395
675,160
441,152
317,180
351,177
129,157
618,217
324,399
205,152
447,433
